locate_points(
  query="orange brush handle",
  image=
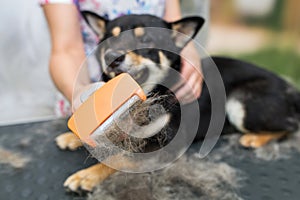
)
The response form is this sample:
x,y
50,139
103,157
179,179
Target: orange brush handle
x,y
102,104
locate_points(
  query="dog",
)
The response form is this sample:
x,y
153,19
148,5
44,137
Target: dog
x,y
260,105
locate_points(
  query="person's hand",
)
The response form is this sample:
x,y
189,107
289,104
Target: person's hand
x,y
189,89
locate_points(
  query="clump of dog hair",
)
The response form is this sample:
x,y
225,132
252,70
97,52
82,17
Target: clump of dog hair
x,y
273,151
13,159
279,150
141,114
188,178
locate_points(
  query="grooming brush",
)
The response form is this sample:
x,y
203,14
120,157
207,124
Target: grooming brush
x,y
96,115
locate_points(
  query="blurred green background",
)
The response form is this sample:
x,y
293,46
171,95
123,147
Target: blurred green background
x,y
285,62
275,24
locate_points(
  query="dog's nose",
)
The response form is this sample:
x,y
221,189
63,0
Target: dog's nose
x,y
114,58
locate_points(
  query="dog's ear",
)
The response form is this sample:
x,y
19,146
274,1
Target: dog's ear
x,y
186,29
97,23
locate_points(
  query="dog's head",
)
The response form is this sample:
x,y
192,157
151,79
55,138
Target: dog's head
x,y
147,54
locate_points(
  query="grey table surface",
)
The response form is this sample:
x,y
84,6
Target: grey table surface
x,y
42,177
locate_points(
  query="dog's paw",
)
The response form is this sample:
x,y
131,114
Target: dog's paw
x,y
87,179
68,141
252,140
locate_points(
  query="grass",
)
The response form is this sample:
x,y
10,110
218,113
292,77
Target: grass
x,y
285,62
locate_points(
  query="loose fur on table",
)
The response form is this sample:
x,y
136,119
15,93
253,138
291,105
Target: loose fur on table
x,y
194,178
279,150
271,152
188,178
13,159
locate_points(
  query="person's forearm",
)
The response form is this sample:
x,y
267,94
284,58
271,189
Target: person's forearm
x,y
67,53
172,10
64,69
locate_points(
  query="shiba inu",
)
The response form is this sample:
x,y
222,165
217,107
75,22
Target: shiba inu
x,y
260,105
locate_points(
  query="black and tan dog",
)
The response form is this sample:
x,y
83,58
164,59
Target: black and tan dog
x,y
259,104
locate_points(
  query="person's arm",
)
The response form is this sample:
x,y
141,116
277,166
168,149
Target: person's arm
x,y
67,52
191,65
172,10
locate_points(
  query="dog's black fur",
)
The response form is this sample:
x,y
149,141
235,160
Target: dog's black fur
x,y
268,103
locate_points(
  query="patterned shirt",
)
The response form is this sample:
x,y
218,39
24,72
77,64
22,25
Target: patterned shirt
x,y
109,9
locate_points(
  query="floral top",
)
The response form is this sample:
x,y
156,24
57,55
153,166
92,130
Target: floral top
x,y
109,9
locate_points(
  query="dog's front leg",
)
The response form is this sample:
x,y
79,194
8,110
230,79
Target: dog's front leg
x,y
68,141
87,179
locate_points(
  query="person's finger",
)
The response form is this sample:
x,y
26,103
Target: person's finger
x,y
179,84
187,88
192,89
198,86
186,68
188,98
